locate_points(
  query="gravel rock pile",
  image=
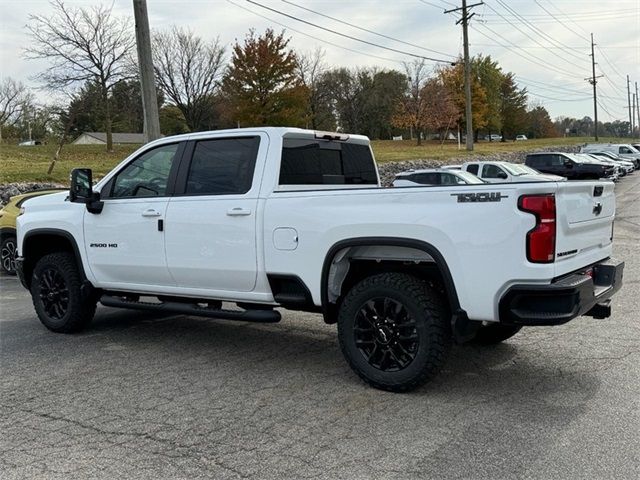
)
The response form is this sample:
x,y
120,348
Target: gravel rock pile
x,y
388,170
8,190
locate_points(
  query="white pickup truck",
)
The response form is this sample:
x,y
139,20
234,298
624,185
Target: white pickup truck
x,y
283,217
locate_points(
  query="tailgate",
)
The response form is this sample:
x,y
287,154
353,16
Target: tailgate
x,y
585,213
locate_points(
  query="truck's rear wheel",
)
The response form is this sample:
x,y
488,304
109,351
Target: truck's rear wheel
x,y
394,331
495,333
55,290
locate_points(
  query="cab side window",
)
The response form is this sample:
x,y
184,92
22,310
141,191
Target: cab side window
x,y
557,161
147,175
222,166
473,169
491,171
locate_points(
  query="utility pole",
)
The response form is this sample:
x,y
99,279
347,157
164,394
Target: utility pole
x,y
637,107
630,110
464,20
145,66
633,116
593,80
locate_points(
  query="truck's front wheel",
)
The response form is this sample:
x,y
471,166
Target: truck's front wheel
x,y
394,331
56,294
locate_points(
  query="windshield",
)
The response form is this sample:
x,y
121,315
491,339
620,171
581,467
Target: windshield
x,y
515,169
469,177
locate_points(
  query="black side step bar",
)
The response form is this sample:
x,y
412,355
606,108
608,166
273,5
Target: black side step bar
x,y
262,316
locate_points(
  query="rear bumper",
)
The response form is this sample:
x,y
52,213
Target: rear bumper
x,y
565,298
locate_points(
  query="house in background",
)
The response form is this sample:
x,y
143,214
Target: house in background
x,y
100,138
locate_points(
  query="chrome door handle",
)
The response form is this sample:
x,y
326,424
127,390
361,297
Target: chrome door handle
x,y
150,212
238,212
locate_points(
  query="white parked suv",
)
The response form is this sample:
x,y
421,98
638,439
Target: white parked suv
x,y
505,172
435,177
283,217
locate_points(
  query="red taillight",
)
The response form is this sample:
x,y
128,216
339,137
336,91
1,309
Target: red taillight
x,y
541,239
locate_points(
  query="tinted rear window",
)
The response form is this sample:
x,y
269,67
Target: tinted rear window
x,y
473,169
319,162
222,166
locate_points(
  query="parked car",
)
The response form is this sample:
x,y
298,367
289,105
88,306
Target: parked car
x,y
505,172
520,138
493,137
30,143
569,165
435,176
8,215
624,150
627,165
283,217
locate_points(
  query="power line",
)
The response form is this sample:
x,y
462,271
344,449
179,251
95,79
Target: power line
x,y
560,21
402,52
538,61
315,38
367,30
538,32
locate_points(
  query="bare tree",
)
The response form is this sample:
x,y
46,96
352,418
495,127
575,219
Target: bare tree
x,y
82,44
310,69
188,71
13,95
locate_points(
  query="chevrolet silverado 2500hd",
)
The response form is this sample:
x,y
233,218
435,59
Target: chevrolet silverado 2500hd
x,y
283,217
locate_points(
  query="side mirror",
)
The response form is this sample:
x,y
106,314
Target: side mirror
x,y
502,175
81,190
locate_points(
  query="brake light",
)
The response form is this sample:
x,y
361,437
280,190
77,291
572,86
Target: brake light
x,y
541,239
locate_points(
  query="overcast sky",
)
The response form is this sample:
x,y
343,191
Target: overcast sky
x,y
544,42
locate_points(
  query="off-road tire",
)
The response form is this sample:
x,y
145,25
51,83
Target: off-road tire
x,y
8,252
56,278
421,305
495,333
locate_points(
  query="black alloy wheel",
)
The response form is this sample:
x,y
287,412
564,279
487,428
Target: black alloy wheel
x,y
385,333
394,330
54,293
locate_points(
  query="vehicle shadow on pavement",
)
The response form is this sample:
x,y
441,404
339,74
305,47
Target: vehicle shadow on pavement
x,y
516,369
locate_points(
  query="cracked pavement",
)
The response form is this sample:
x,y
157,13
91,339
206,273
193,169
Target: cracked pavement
x,y
142,396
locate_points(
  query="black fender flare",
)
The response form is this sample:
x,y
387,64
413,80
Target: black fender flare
x,y
56,232
441,264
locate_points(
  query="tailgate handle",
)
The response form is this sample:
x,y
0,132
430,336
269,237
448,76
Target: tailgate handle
x,y
597,191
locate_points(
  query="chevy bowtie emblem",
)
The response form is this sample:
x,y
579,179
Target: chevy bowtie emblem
x,y
597,209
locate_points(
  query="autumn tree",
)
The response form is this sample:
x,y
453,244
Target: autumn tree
x,y
442,114
539,123
411,111
82,44
453,79
261,82
188,71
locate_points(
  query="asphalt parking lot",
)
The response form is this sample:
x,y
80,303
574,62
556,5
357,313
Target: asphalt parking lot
x,y
142,396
